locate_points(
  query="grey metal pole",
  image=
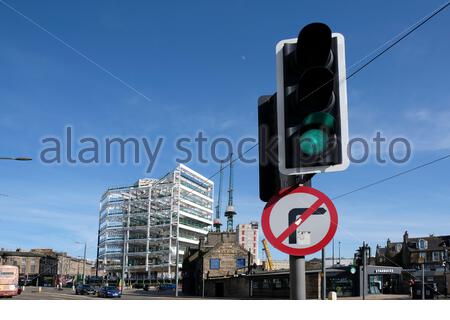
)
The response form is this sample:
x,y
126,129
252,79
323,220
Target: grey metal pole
x,y
84,264
332,254
324,279
203,285
423,281
364,271
297,277
297,269
339,244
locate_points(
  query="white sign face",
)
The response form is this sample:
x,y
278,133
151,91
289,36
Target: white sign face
x,y
301,222
289,210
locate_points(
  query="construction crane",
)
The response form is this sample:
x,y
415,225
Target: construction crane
x,y
217,223
268,255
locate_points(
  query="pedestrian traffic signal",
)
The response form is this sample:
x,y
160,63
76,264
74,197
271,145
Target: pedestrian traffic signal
x,y
312,102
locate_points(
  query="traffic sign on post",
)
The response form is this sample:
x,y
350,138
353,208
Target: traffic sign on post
x,y
299,221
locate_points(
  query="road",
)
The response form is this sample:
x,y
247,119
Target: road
x,y
31,293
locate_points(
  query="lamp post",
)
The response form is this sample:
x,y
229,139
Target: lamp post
x,y
444,246
84,261
339,243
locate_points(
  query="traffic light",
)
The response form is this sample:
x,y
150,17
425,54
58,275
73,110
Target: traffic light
x,y
269,181
312,102
269,176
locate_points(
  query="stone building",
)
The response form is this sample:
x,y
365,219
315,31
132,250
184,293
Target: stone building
x,y
35,267
70,267
411,253
28,262
45,266
219,255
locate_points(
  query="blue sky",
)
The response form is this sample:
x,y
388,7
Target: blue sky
x,y
202,66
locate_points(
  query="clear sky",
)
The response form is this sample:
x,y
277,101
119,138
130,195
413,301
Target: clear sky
x,y
201,66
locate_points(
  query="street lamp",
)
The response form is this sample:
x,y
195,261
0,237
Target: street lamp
x,y
339,243
84,261
444,246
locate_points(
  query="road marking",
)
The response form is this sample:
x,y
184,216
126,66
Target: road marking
x,y
67,296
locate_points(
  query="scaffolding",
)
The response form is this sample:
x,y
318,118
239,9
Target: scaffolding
x,y
144,229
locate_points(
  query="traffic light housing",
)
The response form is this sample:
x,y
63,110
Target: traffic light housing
x,y
270,180
312,102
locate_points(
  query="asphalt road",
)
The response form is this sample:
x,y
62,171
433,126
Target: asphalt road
x,y
31,293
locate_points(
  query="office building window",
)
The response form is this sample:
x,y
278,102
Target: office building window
x,y
214,264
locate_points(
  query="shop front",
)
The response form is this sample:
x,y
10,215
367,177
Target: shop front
x,y
382,280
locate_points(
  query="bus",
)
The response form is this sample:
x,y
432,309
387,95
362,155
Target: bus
x,y
9,281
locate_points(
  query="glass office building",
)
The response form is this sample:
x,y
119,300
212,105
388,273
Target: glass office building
x,y
145,228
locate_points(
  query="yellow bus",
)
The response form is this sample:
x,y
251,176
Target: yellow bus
x,y
9,281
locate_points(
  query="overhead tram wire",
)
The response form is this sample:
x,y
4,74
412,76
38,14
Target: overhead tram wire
x,y
406,34
401,173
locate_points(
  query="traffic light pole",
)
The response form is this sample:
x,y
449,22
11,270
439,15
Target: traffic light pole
x,y
297,272
297,268
324,274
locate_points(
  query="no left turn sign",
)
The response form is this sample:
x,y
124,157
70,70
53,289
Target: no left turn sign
x,y
300,221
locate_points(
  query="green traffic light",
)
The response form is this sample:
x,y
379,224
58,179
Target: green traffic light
x,y
313,142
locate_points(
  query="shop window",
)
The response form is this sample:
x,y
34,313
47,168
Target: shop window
x,y
277,283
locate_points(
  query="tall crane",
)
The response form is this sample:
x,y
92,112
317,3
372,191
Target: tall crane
x,y
268,255
230,212
217,223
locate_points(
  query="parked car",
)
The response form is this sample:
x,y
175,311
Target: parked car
x,y
109,292
167,286
84,289
138,285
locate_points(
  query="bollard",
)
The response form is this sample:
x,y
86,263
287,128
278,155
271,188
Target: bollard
x,y
332,295
40,289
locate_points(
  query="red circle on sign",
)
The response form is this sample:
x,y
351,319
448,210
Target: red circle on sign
x,y
265,223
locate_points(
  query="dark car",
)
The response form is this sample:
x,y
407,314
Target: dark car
x,y
167,286
109,292
138,286
84,289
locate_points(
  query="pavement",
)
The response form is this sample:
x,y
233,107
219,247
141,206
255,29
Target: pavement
x,y
380,297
